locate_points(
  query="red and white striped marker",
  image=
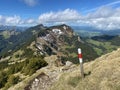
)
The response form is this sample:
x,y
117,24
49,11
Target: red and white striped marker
x,y
80,55
81,62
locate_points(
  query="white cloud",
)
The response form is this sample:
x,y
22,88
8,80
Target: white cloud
x,y
66,15
112,4
16,20
104,18
30,21
10,20
31,2
101,12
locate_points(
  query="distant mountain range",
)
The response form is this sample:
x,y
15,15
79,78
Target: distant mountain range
x,y
90,31
85,31
18,28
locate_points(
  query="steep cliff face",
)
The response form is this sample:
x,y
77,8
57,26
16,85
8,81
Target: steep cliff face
x,y
51,40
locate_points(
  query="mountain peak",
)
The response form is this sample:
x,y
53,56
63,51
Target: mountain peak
x,y
40,25
50,39
64,28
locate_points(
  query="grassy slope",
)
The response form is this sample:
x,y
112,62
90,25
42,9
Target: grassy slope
x,y
5,34
101,74
102,47
84,33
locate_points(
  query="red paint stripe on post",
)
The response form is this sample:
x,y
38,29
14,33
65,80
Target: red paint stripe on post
x,y
79,55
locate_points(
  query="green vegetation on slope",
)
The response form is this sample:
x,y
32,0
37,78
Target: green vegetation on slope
x,y
17,41
84,33
102,47
104,44
71,50
5,34
26,67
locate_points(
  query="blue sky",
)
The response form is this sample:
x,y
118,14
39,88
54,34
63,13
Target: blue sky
x,y
97,13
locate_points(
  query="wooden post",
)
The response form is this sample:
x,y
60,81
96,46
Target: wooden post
x,y
81,62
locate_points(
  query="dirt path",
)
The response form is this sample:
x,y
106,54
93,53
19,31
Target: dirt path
x,y
50,75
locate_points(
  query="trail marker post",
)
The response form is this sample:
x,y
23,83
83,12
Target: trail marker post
x,y
81,62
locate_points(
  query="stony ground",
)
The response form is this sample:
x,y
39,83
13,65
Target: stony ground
x,y
50,75
45,77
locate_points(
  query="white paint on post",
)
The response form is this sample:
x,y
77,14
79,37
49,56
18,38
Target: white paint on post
x,y
79,51
80,60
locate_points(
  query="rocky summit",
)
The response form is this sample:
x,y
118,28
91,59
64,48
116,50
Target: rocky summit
x,y
51,39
